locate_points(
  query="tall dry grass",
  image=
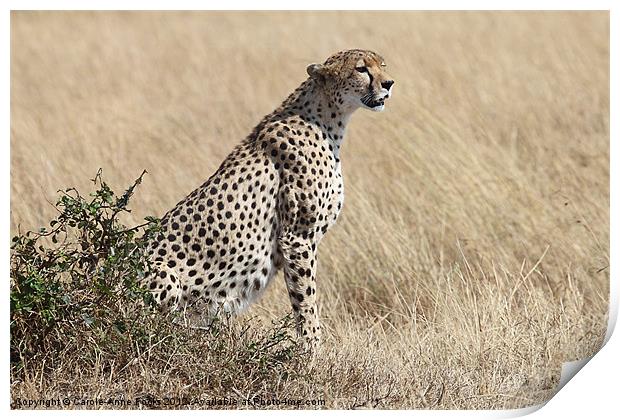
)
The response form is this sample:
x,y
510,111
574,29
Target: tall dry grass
x,y
472,255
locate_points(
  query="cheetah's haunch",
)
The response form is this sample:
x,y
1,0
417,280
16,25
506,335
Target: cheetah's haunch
x,y
270,202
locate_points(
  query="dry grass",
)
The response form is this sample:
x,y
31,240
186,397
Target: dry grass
x,y
472,254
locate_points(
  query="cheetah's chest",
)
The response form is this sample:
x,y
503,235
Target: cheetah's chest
x,y
335,196
324,202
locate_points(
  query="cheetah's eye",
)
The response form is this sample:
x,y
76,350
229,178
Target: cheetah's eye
x,y
362,69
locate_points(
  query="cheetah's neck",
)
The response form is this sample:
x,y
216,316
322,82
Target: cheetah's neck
x,y
310,102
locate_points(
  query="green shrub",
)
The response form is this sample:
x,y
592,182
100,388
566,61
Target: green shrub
x,y
79,279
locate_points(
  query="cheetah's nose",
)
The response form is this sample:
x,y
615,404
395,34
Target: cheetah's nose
x,y
387,84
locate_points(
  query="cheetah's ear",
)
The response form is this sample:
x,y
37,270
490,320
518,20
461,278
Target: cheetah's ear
x,y
317,71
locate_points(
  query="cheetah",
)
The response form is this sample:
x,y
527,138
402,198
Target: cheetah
x,y
270,202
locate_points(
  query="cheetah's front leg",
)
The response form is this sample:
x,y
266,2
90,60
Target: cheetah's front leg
x,y
300,276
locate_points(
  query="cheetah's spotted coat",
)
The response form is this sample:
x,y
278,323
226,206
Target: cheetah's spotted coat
x,y
270,202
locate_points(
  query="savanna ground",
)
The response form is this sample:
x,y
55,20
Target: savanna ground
x,y
472,254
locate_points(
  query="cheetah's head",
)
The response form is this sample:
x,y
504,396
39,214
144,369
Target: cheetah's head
x,y
354,78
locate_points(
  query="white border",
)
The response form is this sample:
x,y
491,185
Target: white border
x,y
311,5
